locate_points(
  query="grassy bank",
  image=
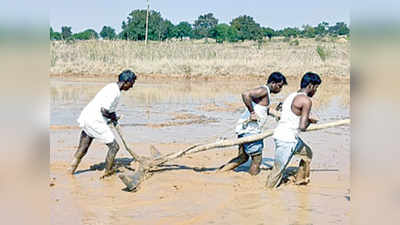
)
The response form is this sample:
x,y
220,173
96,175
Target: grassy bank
x,y
329,57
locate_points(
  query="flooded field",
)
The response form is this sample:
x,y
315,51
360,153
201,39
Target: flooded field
x,y
172,115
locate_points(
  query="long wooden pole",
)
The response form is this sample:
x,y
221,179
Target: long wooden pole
x,y
134,155
132,182
237,141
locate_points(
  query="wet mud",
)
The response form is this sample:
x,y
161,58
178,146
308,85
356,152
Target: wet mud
x,y
188,190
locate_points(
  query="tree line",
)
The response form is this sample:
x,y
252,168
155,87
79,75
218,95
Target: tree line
x,y
205,26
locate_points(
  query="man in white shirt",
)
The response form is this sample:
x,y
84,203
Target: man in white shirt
x,y
252,121
295,117
96,116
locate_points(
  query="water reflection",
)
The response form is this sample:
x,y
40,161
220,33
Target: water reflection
x,y
187,91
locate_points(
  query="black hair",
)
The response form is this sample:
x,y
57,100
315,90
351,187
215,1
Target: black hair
x,y
277,77
127,76
310,78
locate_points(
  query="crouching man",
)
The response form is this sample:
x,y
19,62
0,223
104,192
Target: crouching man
x,y
295,117
252,121
96,116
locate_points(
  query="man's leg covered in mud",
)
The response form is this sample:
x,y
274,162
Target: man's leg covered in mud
x,y
113,148
303,173
84,143
275,177
235,162
283,155
255,164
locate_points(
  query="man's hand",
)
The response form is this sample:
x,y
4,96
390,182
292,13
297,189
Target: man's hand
x,y
112,116
313,119
253,116
115,119
278,107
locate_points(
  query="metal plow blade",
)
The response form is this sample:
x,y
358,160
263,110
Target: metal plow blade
x,y
133,181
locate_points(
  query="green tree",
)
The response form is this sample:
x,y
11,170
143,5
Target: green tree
x,y
203,25
290,32
135,26
66,32
220,32
308,31
233,35
86,35
339,29
123,34
183,29
167,30
322,29
54,35
268,32
107,33
247,28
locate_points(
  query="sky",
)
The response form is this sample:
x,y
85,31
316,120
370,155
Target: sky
x,y
94,14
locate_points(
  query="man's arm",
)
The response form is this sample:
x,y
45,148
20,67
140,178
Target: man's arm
x,y
110,115
108,97
249,96
305,114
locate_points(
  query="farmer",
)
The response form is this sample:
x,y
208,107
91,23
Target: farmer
x,y
252,121
96,116
295,116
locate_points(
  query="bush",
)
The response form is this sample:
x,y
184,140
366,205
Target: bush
x,y
323,54
286,39
294,43
260,43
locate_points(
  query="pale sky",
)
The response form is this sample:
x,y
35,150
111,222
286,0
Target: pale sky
x,y
94,14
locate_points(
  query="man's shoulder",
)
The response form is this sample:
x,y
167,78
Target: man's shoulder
x,y
261,89
112,86
304,99
110,89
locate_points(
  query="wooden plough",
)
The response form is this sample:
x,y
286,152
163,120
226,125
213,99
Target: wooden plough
x,y
146,165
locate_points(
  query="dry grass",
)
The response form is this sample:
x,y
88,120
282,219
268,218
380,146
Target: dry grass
x,y
192,59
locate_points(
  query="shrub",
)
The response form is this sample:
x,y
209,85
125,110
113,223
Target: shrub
x,y
286,39
323,54
294,43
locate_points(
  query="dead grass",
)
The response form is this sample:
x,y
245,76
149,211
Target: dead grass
x,y
191,59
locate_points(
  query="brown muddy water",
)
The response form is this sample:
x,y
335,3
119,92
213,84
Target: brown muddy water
x,y
173,114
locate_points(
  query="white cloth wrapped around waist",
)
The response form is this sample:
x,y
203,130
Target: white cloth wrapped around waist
x,y
244,125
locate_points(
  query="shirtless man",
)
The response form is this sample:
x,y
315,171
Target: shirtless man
x,y
295,117
252,121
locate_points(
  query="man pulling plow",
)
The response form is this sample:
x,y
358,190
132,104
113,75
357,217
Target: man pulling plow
x,y
294,117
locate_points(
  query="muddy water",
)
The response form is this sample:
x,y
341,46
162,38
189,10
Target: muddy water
x,y
173,115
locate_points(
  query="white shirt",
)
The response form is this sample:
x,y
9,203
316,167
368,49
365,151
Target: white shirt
x,y
108,98
253,127
288,126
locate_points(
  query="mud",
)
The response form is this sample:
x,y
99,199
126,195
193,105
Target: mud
x,y
188,190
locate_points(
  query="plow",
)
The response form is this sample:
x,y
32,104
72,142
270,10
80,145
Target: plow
x,y
145,165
